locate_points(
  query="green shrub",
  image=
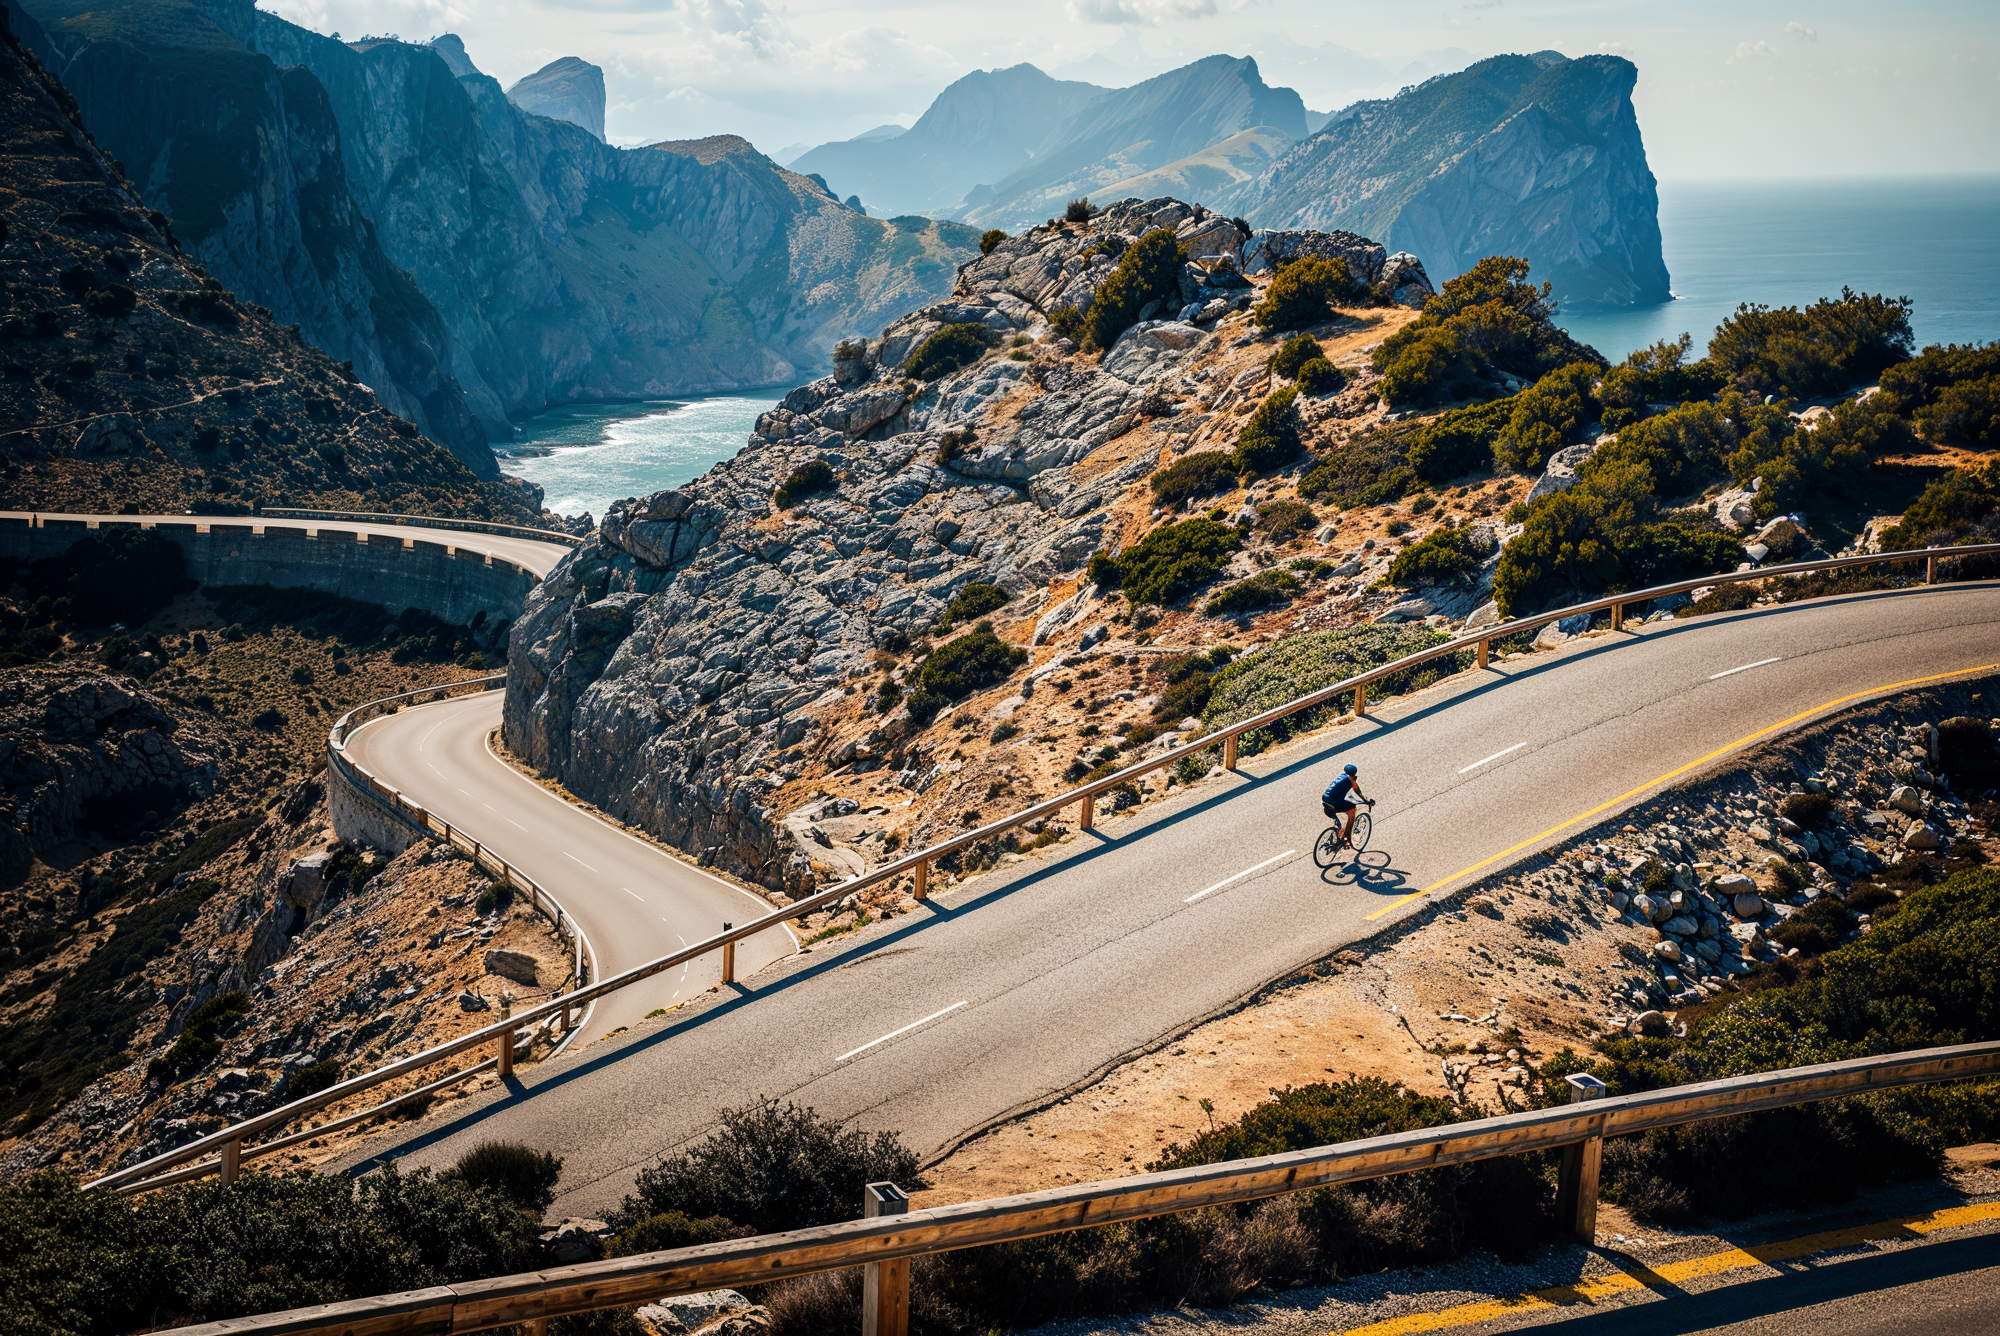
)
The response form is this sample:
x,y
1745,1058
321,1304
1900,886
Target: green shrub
x,y
1547,416
1598,538
989,239
1966,415
312,1078
1321,377
523,1175
946,350
1206,473
808,479
113,301
1283,521
973,602
201,1038
1169,563
1261,590
1148,276
1907,387
1947,509
1294,353
1445,555
1369,470
1304,293
1459,441
967,664
673,1229
1659,374
1834,459
1080,211
1297,664
1486,321
1824,348
1270,438
772,1167
1723,598
1068,322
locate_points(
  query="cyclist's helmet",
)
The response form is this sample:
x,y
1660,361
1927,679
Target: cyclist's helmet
x,y
1350,770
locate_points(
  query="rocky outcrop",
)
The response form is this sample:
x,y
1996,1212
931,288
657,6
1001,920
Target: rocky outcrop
x,y
564,90
1537,156
537,264
669,671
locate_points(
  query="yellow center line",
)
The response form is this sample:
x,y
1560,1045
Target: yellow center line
x,y
1640,1277
1676,773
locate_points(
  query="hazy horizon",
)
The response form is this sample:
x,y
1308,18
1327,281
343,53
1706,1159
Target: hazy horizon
x,y
1725,91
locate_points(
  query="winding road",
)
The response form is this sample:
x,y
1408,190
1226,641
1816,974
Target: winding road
x,y
1008,990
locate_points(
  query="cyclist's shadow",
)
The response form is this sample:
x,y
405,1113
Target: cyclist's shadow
x,y
1372,871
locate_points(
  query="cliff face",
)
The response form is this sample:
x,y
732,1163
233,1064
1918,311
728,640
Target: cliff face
x,y
550,266
1537,156
246,160
564,90
134,377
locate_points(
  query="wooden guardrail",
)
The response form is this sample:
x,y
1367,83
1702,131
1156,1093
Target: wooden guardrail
x,y
879,1240
141,1177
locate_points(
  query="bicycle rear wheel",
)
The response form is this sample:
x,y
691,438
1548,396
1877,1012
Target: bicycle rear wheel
x,y
1326,849
1364,826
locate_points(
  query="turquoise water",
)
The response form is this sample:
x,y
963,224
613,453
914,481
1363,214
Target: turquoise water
x,y
585,456
1935,240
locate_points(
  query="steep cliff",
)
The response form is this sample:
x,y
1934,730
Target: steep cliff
x,y
983,127
710,657
246,159
1537,156
565,90
1135,130
559,268
134,377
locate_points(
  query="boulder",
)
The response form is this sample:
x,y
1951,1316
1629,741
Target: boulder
x,y
1483,905
1921,838
1485,615
1747,904
516,965
1404,279
1668,950
1560,473
1907,800
1680,925
1651,1024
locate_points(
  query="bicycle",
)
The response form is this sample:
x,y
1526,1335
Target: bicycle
x,y
1328,848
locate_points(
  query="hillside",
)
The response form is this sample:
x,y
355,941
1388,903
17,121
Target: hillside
x,y
1536,156
378,186
134,378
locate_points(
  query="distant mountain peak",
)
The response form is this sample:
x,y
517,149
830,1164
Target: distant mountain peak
x,y
569,89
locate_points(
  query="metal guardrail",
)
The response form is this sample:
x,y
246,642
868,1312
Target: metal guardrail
x,y
917,864
227,1145
879,1241
421,522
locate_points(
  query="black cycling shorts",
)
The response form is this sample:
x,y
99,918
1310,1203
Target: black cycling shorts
x,y
1335,809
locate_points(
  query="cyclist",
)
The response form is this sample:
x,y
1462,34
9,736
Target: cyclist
x,y
1337,803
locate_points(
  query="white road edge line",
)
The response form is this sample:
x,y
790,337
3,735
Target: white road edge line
x,y
580,863
1239,876
1494,757
634,894
1746,667
856,1052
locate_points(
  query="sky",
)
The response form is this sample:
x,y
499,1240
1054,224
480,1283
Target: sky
x,y
1743,89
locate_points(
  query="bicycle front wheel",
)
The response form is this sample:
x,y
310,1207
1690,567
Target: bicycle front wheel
x,y
1326,850
1364,826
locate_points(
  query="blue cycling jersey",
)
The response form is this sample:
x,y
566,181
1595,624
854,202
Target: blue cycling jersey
x,y
1336,792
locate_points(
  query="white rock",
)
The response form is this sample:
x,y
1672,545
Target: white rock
x,y
1907,800
1668,950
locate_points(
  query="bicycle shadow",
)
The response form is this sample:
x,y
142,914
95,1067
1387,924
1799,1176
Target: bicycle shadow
x,y
1373,870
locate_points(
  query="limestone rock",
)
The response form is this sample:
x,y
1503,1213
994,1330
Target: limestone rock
x,y
516,965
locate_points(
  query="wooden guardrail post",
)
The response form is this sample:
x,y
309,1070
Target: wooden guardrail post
x,y
921,881
1576,1185
1229,752
1482,652
1361,701
232,1160
885,1286
1930,570
1089,817
728,957
1618,616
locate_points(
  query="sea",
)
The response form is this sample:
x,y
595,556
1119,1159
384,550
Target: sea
x,y
1934,239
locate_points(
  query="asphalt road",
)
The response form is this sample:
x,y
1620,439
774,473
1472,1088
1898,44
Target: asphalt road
x,y
634,902
1012,988
531,554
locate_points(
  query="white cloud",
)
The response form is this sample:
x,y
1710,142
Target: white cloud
x,y
1752,51
1802,32
1616,49
1139,13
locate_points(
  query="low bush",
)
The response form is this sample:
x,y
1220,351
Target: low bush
x,y
772,1167
1460,441
1825,348
989,239
1833,460
201,1037
1321,377
312,1078
1808,809
1304,293
973,602
947,350
1486,321
1370,470
1659,374
1261,590
1187,680
674,1229
1289,668
1547,416
1445,555
1169,563
1205,473
808,479
1270,438
1723,598
523,1175
1282,521
1147,278
1947,510
1080,211
967,664
1068,323
1294,353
